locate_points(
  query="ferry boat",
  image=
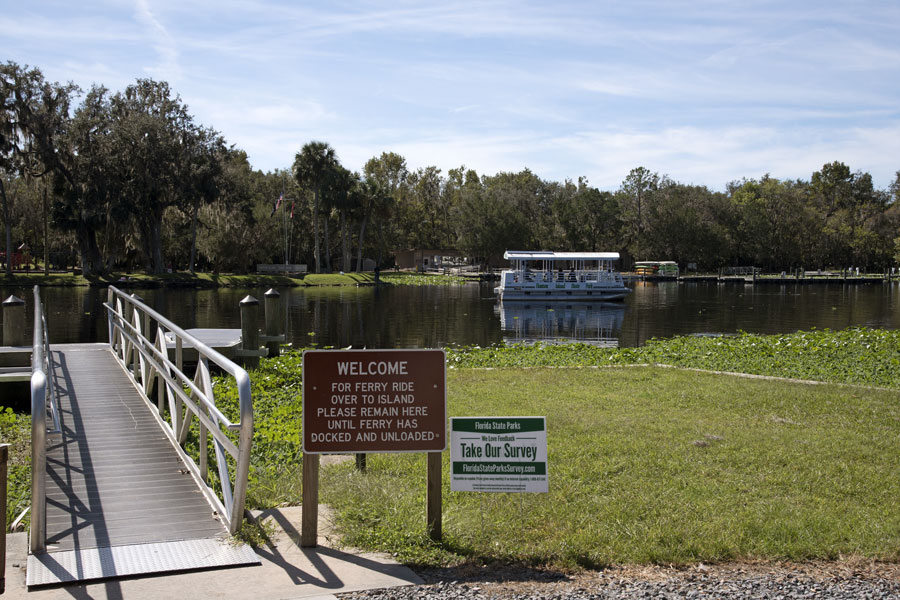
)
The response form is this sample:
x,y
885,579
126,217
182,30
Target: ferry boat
x,y
543,275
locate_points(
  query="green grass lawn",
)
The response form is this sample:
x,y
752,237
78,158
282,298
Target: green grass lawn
x,y
647,464
652,465
30,278
191,280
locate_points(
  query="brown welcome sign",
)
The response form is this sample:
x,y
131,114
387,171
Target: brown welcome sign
x,y
357,401
374,401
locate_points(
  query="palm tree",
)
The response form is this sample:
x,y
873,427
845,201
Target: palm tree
x,y
313,167
345,198
370,197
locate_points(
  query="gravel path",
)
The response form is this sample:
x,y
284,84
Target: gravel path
x,y
837,580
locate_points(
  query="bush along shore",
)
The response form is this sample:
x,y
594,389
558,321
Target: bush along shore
x,y
648,465
213,280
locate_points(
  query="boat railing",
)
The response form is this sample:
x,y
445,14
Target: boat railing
x,y
144,352
565,276
43,393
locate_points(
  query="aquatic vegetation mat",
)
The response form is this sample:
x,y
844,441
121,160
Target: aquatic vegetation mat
x,y
854,356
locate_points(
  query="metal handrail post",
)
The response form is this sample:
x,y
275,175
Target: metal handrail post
x,y
109,319
42,382
4,457
245,439
38,461
50,373
38,433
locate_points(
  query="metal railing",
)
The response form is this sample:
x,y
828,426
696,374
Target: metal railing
x,y
4,458
741,271
143,342
43,392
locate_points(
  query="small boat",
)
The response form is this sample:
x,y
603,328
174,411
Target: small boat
x,y
662,269
543,275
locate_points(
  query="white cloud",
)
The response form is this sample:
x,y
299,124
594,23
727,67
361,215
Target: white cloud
x,y
609,87
713,157
56,32
270,128
162,41
460,109
706,91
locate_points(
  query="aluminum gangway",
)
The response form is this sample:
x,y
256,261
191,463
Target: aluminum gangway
x,y
122,441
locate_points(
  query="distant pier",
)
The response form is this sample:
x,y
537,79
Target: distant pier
x,y
769,279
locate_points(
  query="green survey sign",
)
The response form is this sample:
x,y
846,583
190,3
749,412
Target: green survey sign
x,y
498,454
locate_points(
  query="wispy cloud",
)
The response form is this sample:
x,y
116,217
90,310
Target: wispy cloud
x,y
73,30
271,128
460,109
715,157
705,91
163,42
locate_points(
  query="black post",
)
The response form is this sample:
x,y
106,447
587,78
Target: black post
x,y
249,331
272,307
13,321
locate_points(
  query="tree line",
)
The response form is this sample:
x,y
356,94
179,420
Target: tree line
x,y
127,180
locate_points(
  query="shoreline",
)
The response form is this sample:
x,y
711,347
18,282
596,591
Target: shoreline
x,y
211,281
367,279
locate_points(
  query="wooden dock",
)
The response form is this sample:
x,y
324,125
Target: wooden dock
x,y
225,341
762,280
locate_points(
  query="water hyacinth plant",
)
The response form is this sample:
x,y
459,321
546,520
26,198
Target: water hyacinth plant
x,y
857,356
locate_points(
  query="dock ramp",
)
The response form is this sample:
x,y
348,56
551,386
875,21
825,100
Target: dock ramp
x,y
118,494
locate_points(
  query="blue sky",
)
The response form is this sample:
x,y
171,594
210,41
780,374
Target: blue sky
x,y
704,91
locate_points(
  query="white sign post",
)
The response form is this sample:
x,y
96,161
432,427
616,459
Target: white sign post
x,y
498,454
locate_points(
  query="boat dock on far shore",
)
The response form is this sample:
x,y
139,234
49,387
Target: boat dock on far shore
x,y
768,279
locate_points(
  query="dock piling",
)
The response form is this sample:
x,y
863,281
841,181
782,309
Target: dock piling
x,y
274,330
13,321
249,331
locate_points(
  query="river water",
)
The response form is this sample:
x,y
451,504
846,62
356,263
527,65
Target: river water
x,y
436,316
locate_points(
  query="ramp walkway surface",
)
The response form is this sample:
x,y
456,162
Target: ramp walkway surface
x,y
120,501
286,571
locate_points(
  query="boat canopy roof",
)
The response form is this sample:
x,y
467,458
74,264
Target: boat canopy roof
x,y
546,255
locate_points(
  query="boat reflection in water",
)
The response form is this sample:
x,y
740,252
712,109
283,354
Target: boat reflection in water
x,y
527,322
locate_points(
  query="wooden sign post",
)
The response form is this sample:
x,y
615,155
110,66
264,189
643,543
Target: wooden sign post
x,y
361,401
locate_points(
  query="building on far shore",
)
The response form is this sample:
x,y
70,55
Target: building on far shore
x,y
422,259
